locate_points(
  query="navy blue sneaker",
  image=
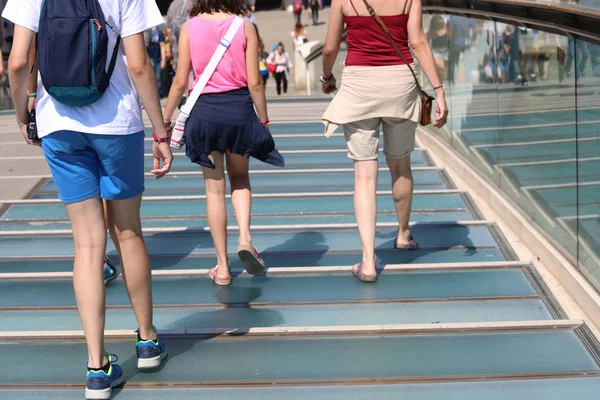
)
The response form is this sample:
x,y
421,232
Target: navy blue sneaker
x,y
99,384
150,353
110,272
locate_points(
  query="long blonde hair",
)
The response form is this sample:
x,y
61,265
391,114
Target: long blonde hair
x,y
298,30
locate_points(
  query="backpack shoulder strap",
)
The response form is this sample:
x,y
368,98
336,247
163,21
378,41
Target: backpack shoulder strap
x,y
212,65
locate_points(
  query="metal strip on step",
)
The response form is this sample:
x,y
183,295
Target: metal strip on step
x,y
471,206
169,385
287,271
543,290
285,195
289,252
461,328
590,341
251,172
259,228
447,179
507,251
287,304
427,157
40,221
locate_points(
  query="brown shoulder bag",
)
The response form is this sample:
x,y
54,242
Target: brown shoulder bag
x,y
426,100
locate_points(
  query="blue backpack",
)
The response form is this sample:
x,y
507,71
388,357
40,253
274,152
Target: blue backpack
x,y
72,48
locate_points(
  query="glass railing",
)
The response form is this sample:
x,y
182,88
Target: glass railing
x,y
525,111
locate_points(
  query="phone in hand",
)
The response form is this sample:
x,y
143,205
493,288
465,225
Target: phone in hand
x,y
32,133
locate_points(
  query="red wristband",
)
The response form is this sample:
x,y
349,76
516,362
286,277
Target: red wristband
x,y
264,123
159,139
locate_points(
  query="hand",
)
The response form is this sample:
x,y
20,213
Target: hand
x,y
161,151
441,111
30,142
163,64
329,87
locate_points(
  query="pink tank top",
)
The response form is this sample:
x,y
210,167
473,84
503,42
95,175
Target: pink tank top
x,y
204,37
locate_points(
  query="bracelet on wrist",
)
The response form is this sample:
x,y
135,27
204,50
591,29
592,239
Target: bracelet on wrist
x,y
19,125
31,95
265,123
160,139
328,79
438,87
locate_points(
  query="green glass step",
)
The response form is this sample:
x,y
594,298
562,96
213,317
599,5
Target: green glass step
x,y
530,134
530,118
316,242
542,151
292,141
293,161
294,205
337,315
284,289
257,220
553,174
316,259
320,358
174,185
547,389
569,201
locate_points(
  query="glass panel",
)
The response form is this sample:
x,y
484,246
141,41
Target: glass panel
x,y
288,289
318,358
556,389
537,112
586,222
512,101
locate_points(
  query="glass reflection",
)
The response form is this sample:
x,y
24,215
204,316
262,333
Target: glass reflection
x,y
524,111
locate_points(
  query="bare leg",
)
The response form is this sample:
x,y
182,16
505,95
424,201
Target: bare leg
x,y
365,207
214,180
89,235
402,191
241,194
126,231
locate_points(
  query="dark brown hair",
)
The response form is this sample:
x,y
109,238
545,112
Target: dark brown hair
x,y
213,6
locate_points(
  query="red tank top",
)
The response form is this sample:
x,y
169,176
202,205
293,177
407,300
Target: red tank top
x,y
368,45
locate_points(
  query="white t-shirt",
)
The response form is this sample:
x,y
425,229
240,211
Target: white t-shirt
x,y
118,112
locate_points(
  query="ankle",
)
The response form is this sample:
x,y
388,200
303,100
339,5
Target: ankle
x,y
148,333
403,235
98,363
222,263
245,240
368,261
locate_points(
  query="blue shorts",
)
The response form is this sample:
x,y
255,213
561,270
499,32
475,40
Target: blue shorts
x,y
84,165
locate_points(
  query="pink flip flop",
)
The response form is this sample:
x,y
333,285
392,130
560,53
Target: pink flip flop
x,y
212,273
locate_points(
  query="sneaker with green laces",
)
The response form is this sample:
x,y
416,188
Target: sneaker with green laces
x,y
99,383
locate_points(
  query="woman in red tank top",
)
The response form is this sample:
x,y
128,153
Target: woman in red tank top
x,y
378,90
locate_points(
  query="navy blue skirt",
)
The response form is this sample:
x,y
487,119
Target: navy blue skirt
x,y
227,121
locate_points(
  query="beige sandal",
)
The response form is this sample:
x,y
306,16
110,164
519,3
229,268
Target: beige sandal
x,y
212,273
357,271
252,262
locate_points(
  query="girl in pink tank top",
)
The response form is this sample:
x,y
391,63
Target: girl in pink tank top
x,y
223,124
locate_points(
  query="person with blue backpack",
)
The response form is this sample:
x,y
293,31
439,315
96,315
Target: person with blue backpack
x,y
94,71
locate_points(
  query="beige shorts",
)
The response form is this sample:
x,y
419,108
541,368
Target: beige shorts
x,y
362,138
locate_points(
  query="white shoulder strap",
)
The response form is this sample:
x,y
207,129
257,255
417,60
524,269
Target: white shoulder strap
x,y
184,8
212,65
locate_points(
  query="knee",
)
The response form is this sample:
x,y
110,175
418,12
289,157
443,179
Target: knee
x,y
126,234
92,243
215,187
400,167
239,180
